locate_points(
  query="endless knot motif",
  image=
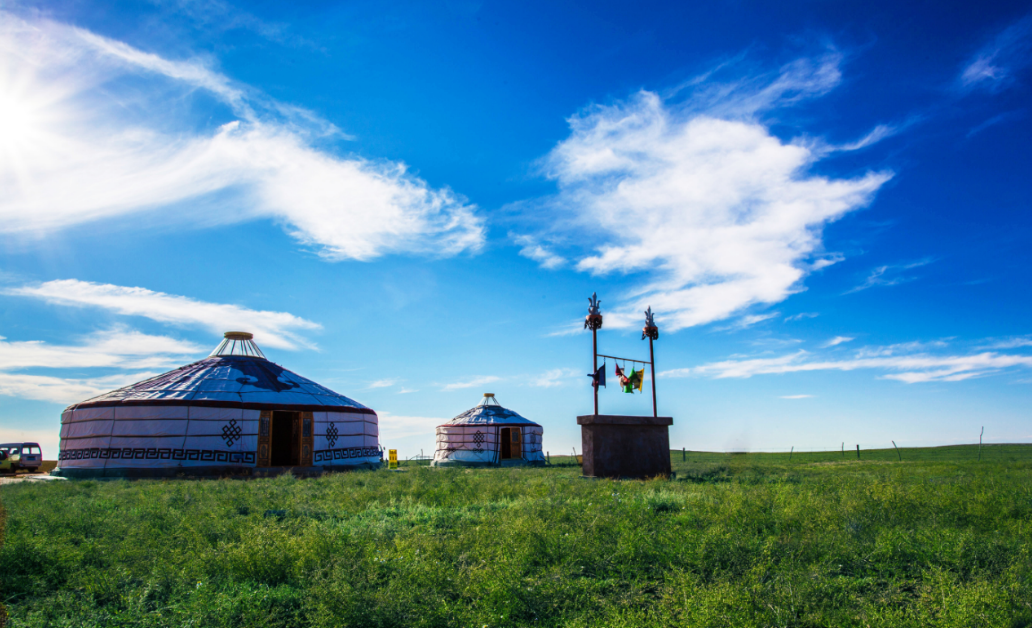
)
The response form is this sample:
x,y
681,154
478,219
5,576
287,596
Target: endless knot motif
x,y
331,434
478,440
231,432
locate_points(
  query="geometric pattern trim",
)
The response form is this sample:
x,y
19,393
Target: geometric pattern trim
x,y
478,438
327,455
231,432
331,434
153,453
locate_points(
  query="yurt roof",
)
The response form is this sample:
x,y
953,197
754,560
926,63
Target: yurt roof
x,y
489,412
235,375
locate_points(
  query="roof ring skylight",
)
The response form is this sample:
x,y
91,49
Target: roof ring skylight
x,y
489,400
238,343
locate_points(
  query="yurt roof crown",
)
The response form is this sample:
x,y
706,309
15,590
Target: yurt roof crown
x,y
238,343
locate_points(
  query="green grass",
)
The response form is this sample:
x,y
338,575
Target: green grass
x,y
736,540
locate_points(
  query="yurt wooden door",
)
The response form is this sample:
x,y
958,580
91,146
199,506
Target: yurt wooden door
x,y
511,441
285,439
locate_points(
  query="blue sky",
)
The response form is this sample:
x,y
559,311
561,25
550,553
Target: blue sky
x,y
826,205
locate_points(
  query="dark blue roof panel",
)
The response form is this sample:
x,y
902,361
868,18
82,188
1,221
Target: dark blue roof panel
x,y
229,380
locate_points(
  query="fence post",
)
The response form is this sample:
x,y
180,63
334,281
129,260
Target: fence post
x,y
858,452
980,443
684,454
843,449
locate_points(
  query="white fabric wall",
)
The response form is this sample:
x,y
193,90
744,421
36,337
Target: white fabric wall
x,y
163,436
459,443
353,438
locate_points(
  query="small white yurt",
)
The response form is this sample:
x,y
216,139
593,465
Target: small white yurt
x,y
234,412
488,434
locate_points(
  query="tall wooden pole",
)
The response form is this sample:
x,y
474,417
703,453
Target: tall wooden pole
x,y
652,368
593,321
594,363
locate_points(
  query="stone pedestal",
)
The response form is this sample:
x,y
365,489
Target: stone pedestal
x,y
625,446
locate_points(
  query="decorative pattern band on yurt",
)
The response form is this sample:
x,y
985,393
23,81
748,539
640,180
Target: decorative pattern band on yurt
x,y
488,434
232,411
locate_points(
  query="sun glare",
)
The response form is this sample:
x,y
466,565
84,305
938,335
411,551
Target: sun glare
x,y
18,121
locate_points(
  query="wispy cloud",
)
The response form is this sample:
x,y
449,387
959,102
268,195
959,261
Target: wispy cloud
x,y
995,65
274,329
382,383
84,151
1010,343
697,195
796,397
910,369
538,252
64,390
1002,117
837,340
556,377
394,426
750,320
889,275
800,316
471,383
117,347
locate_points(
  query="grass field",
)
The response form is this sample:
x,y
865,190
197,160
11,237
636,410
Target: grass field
x,y
938,539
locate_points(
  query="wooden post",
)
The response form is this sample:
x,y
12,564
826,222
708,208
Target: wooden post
x,y
684,454
843,449
858,452
652,369
594,364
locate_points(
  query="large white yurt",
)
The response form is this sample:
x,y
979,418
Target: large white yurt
x,y
234,412
488,434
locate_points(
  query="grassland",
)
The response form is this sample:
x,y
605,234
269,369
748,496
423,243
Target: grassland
x,y
938,539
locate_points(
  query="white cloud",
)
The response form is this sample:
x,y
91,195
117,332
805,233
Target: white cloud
x,y
117,348
889,275
48,440
796,397
717,212
994,66
905,368
471,383
274,329
394,426
557,377
801,316
1011,343
405,391
383,383
837,340
64,390
541,254
750,320
876,135
74,148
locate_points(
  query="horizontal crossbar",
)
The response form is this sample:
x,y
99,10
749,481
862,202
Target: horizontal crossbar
x,y
613,357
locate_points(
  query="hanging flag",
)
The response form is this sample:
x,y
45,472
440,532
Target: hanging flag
x,y
598,378
625,382
635,379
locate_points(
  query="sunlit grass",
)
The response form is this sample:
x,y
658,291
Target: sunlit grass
x,y
736,540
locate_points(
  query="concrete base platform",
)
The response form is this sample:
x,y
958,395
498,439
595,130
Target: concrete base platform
x,y
618,446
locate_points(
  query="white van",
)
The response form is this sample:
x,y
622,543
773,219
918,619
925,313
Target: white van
x,y
23,456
